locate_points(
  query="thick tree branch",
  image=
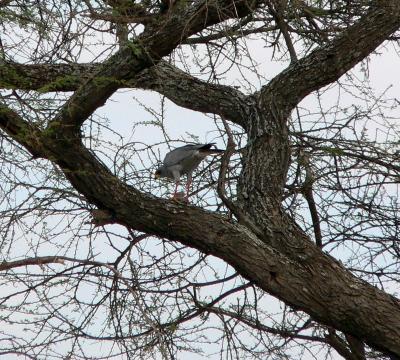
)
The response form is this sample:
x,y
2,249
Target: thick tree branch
x,y
21,131
274,253
267,156
314,283
327,63
45,77
156,41
192,93
181,88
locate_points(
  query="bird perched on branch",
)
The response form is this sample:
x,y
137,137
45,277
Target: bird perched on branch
x,y
184,160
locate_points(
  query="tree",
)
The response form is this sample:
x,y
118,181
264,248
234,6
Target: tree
x,y
306,204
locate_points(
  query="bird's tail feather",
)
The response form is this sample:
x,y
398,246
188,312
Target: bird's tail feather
x,y
211,151
206,149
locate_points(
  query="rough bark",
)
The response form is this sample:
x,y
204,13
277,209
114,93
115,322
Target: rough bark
x,y
313,282
45,77
328,63
166,79
267,247
147,50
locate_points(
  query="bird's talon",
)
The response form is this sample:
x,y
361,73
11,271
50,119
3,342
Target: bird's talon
x,y
179,197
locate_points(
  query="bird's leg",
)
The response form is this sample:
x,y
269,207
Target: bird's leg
x,y
176,188
188,183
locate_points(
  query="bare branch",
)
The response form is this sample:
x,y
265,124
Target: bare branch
x,y
274,271
327,63
142,53
7,265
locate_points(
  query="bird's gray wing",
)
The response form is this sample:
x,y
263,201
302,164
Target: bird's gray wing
x,y
179,154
